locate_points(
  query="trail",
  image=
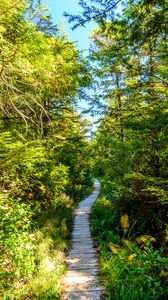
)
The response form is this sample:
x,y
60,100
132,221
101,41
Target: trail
x,y
81,281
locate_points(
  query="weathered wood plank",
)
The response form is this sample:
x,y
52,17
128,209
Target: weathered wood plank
x,y
79,240
75,295
82,266
92,271
82,279
81,251
72,261
82,287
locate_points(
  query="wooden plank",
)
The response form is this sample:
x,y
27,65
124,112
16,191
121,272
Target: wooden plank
x,y
84,232
81,257
81,233
82,239
80,279
75,295
81,236
92,271
78,247
81,243
82,266
82,287
82,219
80,223
82,229
82,251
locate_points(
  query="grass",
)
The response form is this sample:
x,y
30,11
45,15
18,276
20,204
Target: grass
x,y
50,240
45,284
129,270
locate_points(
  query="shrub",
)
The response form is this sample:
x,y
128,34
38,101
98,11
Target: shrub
x,y
129,270
17,247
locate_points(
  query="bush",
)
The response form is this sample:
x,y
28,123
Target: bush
x,y
17,247
129,270
32,257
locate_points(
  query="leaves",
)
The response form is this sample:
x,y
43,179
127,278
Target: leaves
x,y
143,239
114,248
124,220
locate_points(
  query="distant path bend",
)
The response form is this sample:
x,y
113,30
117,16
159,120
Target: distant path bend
x,y
81,281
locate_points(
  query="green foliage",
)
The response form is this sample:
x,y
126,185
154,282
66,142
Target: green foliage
x,y
129,270
51,242
39,71
34,257
17,256
143,277
108,217
29,173
35,180
130,145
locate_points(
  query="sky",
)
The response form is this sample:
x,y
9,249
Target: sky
x,y
80,35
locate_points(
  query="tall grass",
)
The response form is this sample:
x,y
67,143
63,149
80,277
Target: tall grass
x,y
49,240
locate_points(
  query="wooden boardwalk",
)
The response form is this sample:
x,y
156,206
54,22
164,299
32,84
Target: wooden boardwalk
x,y
81,281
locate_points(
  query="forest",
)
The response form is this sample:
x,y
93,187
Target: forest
x,y
49,157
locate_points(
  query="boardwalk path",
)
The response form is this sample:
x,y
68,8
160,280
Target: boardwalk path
x,y
81,279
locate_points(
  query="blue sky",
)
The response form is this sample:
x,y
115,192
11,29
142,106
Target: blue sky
x,y
57,8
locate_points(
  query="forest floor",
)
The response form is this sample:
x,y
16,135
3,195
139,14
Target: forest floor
x,y
82,280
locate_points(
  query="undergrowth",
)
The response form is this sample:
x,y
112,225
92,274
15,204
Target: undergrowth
x,y
132,267
39,190
33,260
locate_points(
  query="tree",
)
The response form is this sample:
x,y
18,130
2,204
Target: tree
x,y
33,76
128,67
93,10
